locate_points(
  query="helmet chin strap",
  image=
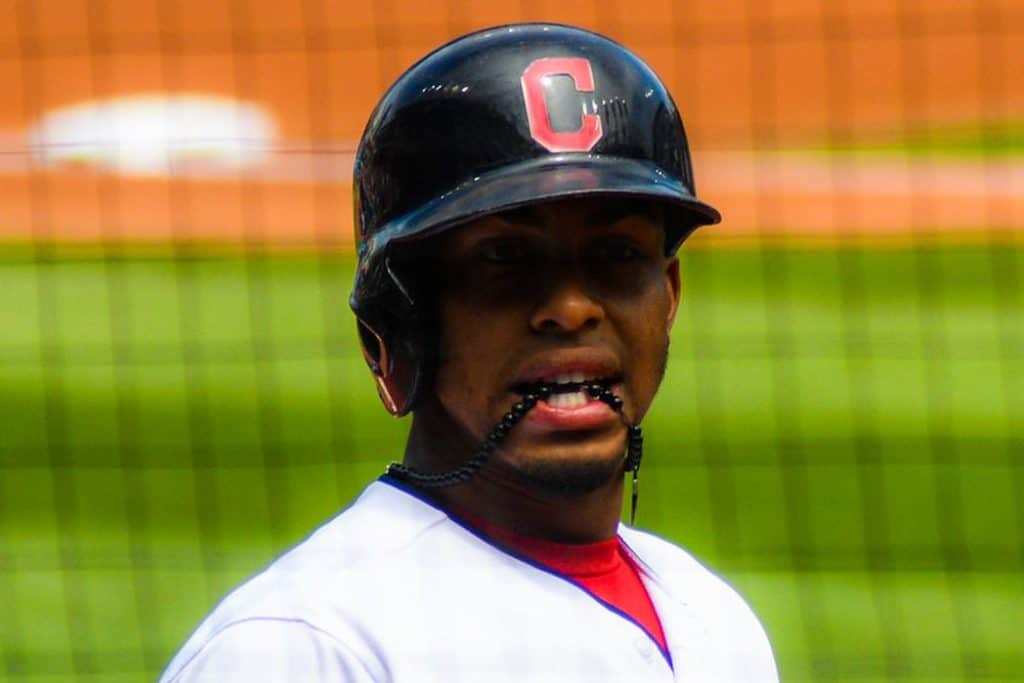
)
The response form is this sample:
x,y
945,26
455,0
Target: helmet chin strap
x,y
634,445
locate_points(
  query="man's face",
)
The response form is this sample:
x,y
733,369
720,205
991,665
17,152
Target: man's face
x,y
557,293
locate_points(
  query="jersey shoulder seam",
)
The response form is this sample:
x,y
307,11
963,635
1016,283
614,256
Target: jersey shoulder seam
x,y
297,621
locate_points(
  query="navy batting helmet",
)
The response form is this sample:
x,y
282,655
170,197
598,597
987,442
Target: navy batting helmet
x,y
495,120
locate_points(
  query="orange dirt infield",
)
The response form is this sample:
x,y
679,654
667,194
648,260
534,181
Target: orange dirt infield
x,y
745,73
306,202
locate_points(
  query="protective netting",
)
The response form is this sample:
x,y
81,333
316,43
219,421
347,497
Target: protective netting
x,y
182,396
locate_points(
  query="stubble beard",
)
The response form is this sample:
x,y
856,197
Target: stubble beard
x,y
568,478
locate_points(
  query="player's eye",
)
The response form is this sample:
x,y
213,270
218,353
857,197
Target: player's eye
x,y
504,251
617,250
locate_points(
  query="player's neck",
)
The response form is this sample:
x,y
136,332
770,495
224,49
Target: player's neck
x,y
586,518
498,495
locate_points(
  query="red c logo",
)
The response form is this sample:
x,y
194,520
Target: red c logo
x,y
579,70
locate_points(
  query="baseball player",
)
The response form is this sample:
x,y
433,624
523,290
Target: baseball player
x,y
520,196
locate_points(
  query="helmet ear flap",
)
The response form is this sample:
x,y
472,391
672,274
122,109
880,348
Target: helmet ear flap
x,y
395,374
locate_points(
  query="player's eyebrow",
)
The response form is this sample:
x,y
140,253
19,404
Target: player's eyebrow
x,y
612,213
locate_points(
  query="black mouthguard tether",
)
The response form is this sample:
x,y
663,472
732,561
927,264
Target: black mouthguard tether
x,y
634,445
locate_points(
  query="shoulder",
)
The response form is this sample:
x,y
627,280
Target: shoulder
x,y
313,598
270,649
385,528
682,573
718,610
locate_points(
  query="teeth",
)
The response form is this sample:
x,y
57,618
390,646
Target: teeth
x,y
576,399
558,384
569,378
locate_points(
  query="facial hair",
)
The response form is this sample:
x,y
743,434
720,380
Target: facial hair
x,y
561,479
569,479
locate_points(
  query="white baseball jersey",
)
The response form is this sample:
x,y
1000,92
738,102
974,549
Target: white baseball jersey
x,y
393,589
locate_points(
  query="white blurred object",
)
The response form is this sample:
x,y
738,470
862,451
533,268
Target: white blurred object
x,y
156,134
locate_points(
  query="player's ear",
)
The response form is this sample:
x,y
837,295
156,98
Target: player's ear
x,y
674,288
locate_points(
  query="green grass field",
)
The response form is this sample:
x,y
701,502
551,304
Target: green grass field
x,y
998,140
840,433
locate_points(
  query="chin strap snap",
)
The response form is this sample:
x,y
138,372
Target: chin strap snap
x,y
634,445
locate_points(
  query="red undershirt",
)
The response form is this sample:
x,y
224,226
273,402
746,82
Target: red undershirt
x,y
605,569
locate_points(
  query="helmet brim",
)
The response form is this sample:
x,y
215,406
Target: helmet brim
x,y
563,176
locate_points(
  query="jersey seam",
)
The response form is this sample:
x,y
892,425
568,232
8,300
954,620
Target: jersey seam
x,y
719,583
286,620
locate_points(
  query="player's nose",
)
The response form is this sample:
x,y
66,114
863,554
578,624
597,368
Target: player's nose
x,y
566,306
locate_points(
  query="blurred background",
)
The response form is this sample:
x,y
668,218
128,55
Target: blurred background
x,y
182,396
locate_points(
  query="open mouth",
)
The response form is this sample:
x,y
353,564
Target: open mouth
x,y
566,390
